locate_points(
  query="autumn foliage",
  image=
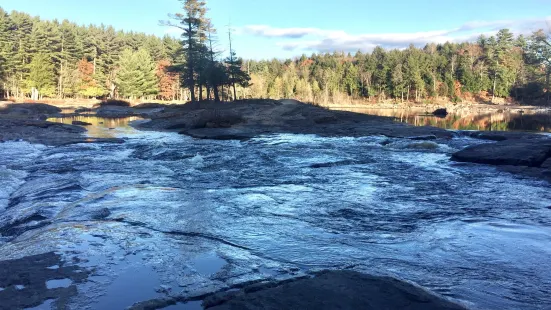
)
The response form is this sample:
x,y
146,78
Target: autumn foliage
x,y
168,81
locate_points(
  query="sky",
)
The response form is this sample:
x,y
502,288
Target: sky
x,y
287,28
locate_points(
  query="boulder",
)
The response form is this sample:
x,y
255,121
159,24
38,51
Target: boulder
x,y
530,153
440,112
101,214
331,290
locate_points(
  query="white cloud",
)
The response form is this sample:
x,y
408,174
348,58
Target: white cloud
x,y
173,31
322,40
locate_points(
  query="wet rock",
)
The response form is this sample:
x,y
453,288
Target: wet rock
x,y
148,152
531,153
502,135
440,112
220,134
532,172
332,290
424,145
29,109
79,123
101,214
338,163
427,137
18,227
546,164
25,281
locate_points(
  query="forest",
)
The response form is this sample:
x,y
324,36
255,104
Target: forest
x,y
496,67
67,60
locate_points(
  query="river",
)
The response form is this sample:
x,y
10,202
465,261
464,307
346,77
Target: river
x,y
496,120
184,216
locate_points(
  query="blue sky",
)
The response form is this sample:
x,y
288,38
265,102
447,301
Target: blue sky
x,y
286,28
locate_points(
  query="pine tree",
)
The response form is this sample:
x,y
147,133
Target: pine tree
x,y
539,53
398,81
236,75
41,75
192,23
137,74
7,51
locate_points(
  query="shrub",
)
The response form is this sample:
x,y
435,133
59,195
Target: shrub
x,y
114,102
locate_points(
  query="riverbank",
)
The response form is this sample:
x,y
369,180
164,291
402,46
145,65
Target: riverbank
x,y
429,106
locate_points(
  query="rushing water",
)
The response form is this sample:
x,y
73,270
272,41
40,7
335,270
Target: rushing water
x,y
494,121
165,214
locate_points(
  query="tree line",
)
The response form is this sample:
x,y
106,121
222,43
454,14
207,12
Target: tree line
x,y
500,66
66,60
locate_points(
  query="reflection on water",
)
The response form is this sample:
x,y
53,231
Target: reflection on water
x,y
101,127
502,121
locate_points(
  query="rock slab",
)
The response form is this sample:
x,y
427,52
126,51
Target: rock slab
x,y
334,290
529,153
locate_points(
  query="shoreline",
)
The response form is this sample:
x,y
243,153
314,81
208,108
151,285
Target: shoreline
x,y
476,106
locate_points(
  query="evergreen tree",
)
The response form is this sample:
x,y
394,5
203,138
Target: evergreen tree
x,y
41,75
539,53
236,75
137,74
192,23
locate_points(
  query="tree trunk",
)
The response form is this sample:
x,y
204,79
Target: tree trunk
x,y
216,94
234,92
190,62
61,80
494,87
200,92
548,84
